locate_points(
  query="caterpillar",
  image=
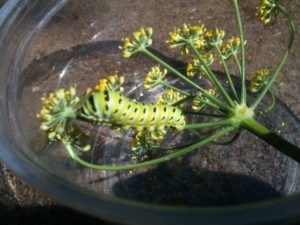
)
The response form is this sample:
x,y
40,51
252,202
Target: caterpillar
x,y
111,108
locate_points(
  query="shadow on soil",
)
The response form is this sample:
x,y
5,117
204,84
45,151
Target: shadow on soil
x,y
184,185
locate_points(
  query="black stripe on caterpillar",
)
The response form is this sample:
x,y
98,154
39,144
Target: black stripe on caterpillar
x,y
112,108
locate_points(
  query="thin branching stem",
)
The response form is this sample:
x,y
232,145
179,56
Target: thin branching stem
x,y
212,76
227,72
174,147
231,140
212,106
185,99
203,114
166,148
180,75
226,122
166,84
243,66
271,106
162,159
283,59
237,61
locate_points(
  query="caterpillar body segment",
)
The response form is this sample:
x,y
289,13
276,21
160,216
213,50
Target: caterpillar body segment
x,y
111,108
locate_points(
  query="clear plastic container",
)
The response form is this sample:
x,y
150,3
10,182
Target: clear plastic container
x,y
47,44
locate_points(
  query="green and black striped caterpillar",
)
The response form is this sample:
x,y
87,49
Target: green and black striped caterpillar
x,y
106,106
112,108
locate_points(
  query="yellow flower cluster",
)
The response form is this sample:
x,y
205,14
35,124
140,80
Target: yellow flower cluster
x,y
111,83
201,101
56,114
169,97
142,142
72,135
140,39
214,38
266,11
57,105
231,47
259,80
195,67
154,77
187,34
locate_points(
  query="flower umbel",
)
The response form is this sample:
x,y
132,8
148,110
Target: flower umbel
x,y
111,83
154,77
140,39
58,108
231,47
56,114
187,34
201,101
169,97
267,11
195,67
72,135
214,38
143,142
259,80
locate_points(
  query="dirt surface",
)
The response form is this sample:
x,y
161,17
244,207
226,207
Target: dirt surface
x,y
69,28
81,22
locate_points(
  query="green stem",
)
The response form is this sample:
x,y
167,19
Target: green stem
x,y
157,147
212,76
187,98
166,84
243,70
150,162
212,106
235,137
282,61
273,139
170,68
227,73
237,63
226,122
177,73
195,132
272,104
203,114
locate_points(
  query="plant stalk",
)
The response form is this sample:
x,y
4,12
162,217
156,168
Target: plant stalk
x,y
237,62
183,77
183,100
271,106
203,114
227,73
166,84
226,122
243,66
271,138
162,159
212,76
